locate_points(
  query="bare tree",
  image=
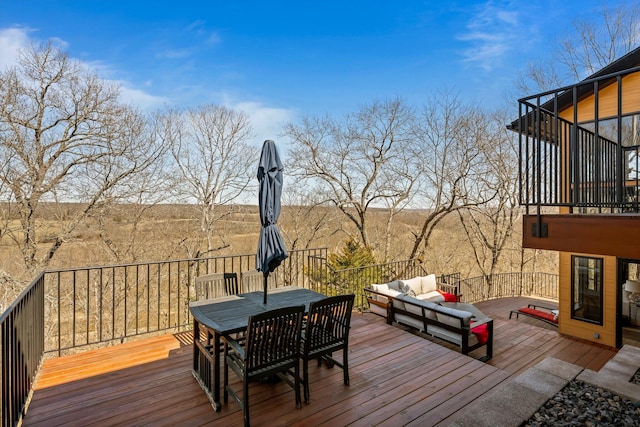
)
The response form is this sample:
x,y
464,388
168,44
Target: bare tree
x,y
215,166
589,45
449,140
305,222
64,136
489,227
351,162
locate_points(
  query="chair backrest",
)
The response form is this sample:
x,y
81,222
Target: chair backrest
x,y
216,285
328,324
273,339
253,280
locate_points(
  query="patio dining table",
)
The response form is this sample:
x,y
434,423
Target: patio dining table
x,y
227,315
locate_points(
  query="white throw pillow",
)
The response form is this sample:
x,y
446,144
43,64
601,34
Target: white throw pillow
x,y
382,288
415,284
429,283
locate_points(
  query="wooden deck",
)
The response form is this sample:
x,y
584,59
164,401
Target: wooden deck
x,y
397,378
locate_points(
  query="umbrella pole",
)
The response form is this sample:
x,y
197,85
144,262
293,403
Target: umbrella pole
x,y
266,275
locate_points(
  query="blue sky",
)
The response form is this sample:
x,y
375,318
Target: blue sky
x,y
279,60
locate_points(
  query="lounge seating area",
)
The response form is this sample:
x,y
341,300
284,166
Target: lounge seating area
x,y
544,314
429,307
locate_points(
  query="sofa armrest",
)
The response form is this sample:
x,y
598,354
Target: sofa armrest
x,y
385,306
445,287
479,322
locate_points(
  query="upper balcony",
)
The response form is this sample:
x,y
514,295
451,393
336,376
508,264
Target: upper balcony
x,y
580,162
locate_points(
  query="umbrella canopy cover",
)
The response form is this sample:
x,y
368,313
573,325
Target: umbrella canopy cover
x,y
271,248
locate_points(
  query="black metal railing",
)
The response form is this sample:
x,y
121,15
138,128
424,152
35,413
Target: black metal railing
x,y
69,310
585,162
22,349
482,288
109,304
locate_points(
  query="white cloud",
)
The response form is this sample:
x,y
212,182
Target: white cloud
x,y
141,99
267,122
11,41
491,33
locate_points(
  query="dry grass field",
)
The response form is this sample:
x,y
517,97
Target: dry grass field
x,y
129,233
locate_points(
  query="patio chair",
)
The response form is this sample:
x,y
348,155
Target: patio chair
x,y
271,347
326,331
216,285
253,280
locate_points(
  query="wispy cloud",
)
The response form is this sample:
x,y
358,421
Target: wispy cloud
x,y
12,40
267,122
491,33
141,99
15,39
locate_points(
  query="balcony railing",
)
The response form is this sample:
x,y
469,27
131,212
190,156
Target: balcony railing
x,y
64,311
22,346
587,163
530,284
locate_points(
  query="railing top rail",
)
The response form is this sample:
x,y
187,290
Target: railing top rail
x,y
399,262
171,261
20,297
566,88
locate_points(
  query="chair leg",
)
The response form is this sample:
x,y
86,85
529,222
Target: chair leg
x,y
245,401
345,366
226,374
329,360
296,382
305,379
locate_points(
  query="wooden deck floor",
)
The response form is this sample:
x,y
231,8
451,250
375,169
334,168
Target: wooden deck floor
x,y
397,378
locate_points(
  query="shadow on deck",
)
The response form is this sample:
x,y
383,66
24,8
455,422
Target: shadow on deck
x,y
397,378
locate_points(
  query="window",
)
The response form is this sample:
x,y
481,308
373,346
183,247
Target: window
x,y
586,292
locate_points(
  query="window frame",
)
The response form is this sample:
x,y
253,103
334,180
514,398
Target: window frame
x,y
589,283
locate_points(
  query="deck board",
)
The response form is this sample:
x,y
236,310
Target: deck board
x,y
396,378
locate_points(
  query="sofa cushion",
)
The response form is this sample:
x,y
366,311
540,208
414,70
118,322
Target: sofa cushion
x,y
383,289
397,301
434,296
414,306
451,316
396,285
450,336
409,291
414,284
429,283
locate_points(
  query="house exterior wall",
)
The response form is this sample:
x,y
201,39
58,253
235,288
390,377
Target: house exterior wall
x,y
608,101
615,235
582,329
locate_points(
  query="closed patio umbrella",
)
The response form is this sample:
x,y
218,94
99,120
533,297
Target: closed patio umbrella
x,y
271,248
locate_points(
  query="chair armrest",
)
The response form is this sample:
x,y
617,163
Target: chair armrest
x,y
234,344
479,322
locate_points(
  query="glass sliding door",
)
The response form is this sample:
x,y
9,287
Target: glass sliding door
x,y
586,291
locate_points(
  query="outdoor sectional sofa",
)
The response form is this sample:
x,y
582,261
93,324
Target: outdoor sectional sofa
x,y
422,304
